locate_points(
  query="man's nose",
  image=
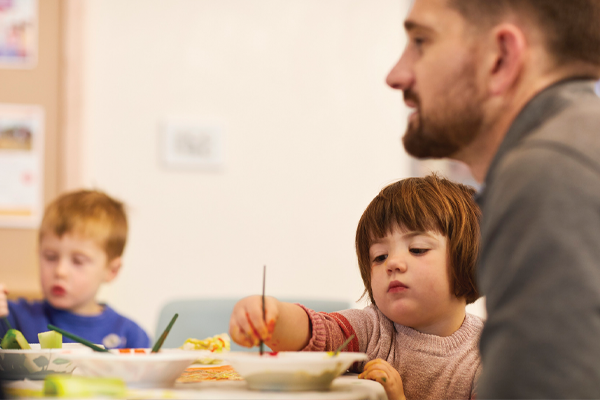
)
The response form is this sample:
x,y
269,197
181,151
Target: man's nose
x,y
400,76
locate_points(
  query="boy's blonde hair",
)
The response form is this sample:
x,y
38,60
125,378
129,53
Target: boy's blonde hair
x,y
90,214
426,204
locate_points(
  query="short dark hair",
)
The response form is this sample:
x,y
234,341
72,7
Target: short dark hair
x,y
571,27
424,204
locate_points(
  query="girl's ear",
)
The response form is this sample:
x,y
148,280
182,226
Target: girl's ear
x,y
112,269
508,54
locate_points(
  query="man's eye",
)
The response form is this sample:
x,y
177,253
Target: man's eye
x,y
419,251
418,41
380,259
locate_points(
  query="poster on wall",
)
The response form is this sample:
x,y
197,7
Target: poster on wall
x,y
21,165
18,33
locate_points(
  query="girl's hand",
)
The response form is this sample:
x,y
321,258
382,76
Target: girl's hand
x,y
247,326
3,301
381,371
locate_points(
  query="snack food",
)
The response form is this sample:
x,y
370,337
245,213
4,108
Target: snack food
x,y
217,343
50,340
210,345
14,340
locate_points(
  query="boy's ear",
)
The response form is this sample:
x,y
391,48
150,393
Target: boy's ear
x,y
112,269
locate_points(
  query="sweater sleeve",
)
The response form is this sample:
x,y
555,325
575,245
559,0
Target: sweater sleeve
x,y
374,333
329,331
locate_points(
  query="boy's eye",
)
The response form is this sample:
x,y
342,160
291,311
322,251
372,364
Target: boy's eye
x,y
380,259
419,251
50,256
78,260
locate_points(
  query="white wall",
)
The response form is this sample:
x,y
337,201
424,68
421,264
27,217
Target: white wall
x,y
312,134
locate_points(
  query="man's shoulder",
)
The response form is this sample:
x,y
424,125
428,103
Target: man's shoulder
x,y
572,132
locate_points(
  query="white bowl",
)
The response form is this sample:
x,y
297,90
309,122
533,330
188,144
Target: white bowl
x,y
141,370
36,363
291,371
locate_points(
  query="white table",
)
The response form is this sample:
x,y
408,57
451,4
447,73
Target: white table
x,y
346,387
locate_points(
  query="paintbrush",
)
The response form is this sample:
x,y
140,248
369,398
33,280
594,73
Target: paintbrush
x,y
263,307
162,337
78,339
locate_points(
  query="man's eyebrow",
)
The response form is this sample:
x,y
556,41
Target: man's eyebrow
x,y
412,25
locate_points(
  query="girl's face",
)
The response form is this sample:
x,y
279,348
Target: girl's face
x,y
410,282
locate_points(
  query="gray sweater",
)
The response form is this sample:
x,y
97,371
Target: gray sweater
x,y
540,260
431,367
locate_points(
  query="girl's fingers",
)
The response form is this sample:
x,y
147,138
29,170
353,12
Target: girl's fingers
x,y
271,316
239,337
375,375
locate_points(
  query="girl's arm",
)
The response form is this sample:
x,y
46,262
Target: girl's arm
x,y
285,326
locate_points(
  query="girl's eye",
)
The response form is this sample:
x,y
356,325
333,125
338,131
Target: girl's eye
x,y
380,259
419,251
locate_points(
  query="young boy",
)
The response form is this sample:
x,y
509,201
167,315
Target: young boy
x,y
81,241
417,245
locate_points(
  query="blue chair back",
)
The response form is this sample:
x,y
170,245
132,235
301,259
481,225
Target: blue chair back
x,y
200,318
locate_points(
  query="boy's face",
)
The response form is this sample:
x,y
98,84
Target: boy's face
x,y
72,269
411,284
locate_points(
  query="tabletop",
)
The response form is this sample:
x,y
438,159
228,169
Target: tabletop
x,y
346,387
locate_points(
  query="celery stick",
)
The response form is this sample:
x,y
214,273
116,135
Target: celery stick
x,y
50,340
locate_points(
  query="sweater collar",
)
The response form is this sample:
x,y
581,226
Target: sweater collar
x,y
412,339
542,107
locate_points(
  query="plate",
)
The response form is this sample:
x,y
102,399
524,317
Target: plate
x,y
291,371
36,363
140,368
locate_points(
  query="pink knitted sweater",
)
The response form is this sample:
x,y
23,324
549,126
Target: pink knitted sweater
x,y
431,367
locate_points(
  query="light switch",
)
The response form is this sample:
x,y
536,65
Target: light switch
x,y
192,144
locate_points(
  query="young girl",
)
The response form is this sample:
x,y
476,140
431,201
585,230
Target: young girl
x,y
417,244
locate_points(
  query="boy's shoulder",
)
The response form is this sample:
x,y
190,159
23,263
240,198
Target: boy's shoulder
x,y
24,307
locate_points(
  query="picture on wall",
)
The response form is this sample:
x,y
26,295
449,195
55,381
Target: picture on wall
x,y
21,165
18,33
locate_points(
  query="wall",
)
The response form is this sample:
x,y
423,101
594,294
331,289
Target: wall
x,y
312,134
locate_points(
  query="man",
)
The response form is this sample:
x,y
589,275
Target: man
x,y
507,86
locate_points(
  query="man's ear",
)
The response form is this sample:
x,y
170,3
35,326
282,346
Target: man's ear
x,y
112,269
508,57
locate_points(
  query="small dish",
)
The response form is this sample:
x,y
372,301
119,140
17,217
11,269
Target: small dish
x,y
36,363
138,368
291,371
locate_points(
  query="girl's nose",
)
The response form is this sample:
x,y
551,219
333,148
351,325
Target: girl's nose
x,y
401,76
396,263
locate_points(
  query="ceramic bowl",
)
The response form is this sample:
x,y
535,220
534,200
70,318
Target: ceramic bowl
x,y
138,368
291,371
36,363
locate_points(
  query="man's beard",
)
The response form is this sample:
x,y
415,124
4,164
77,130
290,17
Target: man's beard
x,y
450,126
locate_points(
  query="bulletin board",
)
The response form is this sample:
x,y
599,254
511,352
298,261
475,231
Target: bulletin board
x,y
30,117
